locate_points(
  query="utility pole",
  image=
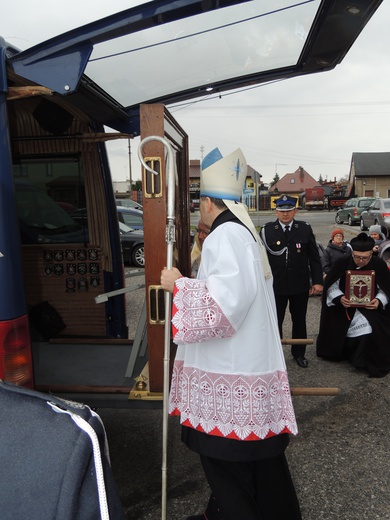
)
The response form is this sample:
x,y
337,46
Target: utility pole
x,y
201,152
130,172
278,164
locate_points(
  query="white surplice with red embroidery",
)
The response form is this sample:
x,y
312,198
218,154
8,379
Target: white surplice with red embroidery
x,y
229,377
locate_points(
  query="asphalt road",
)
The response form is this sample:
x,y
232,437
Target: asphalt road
x,y
339,459
322,222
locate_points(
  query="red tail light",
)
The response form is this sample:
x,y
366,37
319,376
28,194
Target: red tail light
x,y
355,212
15,352
384,215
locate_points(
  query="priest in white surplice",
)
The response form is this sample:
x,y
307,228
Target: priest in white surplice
x,y
229,383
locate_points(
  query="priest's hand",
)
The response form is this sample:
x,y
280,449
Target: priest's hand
x,y
345,302
373,305
168,278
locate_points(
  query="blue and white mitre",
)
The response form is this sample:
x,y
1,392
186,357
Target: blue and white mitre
x,y
223,177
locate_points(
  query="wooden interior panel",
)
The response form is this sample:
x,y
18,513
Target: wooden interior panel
x,y
77,306
47,278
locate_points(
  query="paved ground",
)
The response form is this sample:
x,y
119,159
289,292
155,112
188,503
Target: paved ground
x,y
339,460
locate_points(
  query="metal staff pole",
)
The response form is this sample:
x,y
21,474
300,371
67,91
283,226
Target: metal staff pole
x,y
170,240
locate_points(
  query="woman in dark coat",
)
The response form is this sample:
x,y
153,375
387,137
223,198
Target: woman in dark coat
x,y
359,334
337,248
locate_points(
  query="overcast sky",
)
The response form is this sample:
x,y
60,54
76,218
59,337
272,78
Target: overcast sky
x,y
314,121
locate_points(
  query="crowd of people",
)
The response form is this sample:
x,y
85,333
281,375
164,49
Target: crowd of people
x,y
229,383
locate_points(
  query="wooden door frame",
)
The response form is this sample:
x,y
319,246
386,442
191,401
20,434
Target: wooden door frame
x,y
156,120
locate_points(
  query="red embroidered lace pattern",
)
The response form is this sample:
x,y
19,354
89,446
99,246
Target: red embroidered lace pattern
x,y
243,407
195,314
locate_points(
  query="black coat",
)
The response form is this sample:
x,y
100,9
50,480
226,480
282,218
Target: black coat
x,y
48,464
335,321
296,271
332,253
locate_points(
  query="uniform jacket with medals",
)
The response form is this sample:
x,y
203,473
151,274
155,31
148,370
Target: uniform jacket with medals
x,y
296,263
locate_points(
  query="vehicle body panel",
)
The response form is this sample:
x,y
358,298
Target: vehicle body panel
x,y
129,203
225,34
131,217
314,198
336,201
350,212
132,245
377,213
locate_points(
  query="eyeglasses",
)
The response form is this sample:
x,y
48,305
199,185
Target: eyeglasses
x,y
361,258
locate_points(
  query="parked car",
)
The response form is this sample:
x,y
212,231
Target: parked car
x,y
131,217
128,203
377,213
132,241
350,212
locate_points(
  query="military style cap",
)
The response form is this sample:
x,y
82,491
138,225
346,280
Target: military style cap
x,y
286,203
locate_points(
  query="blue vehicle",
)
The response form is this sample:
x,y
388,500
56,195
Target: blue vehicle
x,y
59,102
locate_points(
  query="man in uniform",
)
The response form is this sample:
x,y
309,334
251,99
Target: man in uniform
x,y
296,268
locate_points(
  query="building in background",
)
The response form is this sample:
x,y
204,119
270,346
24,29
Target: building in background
x,y
122,191
250,193
292,184
370,174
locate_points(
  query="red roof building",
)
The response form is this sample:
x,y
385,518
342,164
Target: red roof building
x,y
294,183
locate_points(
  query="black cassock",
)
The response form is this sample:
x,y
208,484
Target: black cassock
x,y
335,321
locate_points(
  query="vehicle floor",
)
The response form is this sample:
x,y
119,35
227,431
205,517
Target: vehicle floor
x,y
78,364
